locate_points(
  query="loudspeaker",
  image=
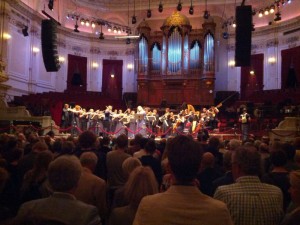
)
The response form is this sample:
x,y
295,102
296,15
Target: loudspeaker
x,y
243,35
49,46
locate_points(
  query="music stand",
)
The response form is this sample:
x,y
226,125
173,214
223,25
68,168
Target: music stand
x,y
150,118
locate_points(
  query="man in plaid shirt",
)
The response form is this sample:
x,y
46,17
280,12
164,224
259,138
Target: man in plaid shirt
x,y
249,201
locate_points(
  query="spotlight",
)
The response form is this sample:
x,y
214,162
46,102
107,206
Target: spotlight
x,y
87,23
115,30
128,41
76,28
50,4
93,24
160,7
109,29
260,14
225,35
277,16
82,22
149,13
25,31
206,15
191,10
179,6
101,36
133,21
289,1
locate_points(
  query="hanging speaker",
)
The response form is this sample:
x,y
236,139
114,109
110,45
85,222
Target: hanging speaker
x,y
49,46
243,35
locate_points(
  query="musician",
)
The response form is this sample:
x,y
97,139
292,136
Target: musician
x,y
213,121
244,119
66,117
107,120
140,122
164,120
154,123
83,119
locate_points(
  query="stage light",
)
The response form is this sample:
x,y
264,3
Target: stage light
x,y
179,6
82,22
277,16
87,23
260,14
149,13
51,4
160,7
234,24
191,10
272,9
206,14
93,24
266,11
25,31
133,21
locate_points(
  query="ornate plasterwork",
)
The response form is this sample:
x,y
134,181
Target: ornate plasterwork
x,y
95,50
272,43
176,19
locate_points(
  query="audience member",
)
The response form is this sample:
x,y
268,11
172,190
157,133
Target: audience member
x,y
34,183
91,189
182,203
63,175
141,183
208,173
250,201
292,216
279,176
128,166
114,161
149,160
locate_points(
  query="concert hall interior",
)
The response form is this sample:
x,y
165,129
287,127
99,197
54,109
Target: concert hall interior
x,y
162,55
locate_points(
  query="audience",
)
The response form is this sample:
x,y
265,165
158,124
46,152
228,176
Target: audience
x,y
123,200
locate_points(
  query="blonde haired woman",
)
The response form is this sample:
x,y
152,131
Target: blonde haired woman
x,y
141,183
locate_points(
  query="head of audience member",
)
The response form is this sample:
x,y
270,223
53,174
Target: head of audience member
x,y
184,156
67,147
246,161
57,145
214,142
39,147
3,178
289,150
296,143
105,141
207,161
87,140
263,148
14,155
43,160
64,173
150,146
122,142
129,165
89,160
141,182
295,186
227,161
234,144
143,142
278,158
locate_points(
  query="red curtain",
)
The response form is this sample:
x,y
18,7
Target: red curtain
x,y
112,86
77,70
251,83
290,61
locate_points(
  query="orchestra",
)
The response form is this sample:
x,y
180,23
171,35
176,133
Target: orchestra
x,y
144,120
